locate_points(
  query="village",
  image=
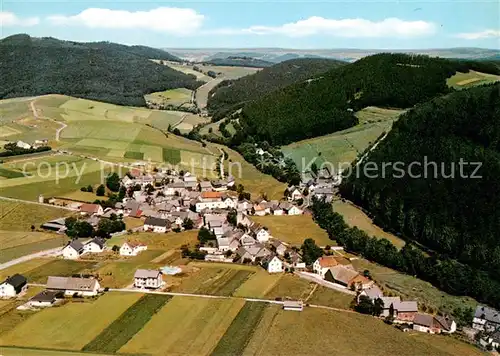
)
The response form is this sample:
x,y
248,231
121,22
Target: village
x,y
169,202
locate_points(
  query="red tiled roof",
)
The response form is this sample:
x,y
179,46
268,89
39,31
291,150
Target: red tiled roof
x,y
211,195
89,208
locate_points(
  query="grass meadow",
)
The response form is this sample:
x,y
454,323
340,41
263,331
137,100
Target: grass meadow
x,y
294,229
16,216
470,79
343,147
175,97
71,326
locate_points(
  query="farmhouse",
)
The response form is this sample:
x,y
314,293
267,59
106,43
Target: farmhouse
x,y
132,248
405,312
156,225
13,286
322,264
294,193
148,278
347,277
272,264
44,299
91,209
94,246
279,247
388,301
293,305
486,319
260,232
73,250
205,186
373,292
431,324
22,144
57,225
83,287
210,200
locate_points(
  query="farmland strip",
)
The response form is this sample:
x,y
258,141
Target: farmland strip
x,y
119,332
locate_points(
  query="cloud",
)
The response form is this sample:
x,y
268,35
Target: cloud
x,y
179,21
479,35
8,19
390,27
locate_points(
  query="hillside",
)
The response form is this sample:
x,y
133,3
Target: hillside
x,y
102,71
458,217
230,95
239,62
326,104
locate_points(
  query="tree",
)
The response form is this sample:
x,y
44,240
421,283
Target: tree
x,y
90,189
188,224
204,235
365,305
314,168
232,217
115,248
70,222
32,227
100,191
378,307
310,251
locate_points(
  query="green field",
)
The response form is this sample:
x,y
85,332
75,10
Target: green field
x,y
12,253
185,326
71,326
353,216
175,97
291,287
330,298
341,148
470,79
16,216
294,229
62,268
258,285
241,330
313,331
120,331
23,268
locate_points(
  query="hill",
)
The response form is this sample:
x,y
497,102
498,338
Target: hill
x,y
102,71
237,61
326,104
231,95
441,204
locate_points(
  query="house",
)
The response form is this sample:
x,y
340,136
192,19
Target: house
x,y
91,209
73,250
387,302
83,287
373,292
210,200
132,248
244,206
261,233
127,182
279,247
132,209
247,240
260,209
57,225
486,319
294,210
431,324
347,277
96,245
219,185
13,285
156,225
296,261
229,202
272,264
405,311
243,220
322,264
148,278
293,305
44,299
205,186
22,144
294,193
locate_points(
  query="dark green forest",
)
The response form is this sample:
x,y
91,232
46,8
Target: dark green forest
x,y
326,104
442,206
231,95
100,71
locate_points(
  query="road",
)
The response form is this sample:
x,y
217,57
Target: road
x,y
316,279
52,253
35,114
202,92
372,148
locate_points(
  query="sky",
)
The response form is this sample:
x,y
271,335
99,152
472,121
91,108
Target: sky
x,y
368,24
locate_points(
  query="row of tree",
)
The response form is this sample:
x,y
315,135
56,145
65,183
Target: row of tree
x,y
81,228
445,273
11,149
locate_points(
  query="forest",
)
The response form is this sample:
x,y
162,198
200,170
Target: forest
x,y
443,272
326,104
230,95
448,200
100,71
